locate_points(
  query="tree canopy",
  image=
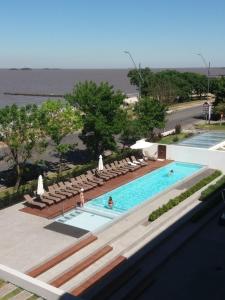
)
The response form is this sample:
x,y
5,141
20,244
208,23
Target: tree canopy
x,y
169,85
101,107
21,131
59,119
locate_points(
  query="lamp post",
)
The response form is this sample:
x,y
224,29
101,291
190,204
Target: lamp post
x,y
207,65
138,71
208,71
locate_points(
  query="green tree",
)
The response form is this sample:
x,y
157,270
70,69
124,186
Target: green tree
x,y
150,114
102,112
21,131
58,120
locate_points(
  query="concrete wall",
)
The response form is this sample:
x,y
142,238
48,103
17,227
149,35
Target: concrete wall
x,y
32,285
211,158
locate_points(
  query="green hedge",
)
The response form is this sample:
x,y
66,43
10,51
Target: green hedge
x,y
205,195
212,188
175,201
11,196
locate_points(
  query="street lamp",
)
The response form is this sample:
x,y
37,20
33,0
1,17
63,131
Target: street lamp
x,y
208,72
138,71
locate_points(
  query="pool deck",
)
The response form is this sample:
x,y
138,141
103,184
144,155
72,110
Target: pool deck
x,y
68,204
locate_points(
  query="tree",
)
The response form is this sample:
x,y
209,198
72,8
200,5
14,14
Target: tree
x,y
58,120
101,107
21,132
150,114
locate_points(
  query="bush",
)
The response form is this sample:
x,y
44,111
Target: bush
x,y
175,201
212,188
175,139
178,129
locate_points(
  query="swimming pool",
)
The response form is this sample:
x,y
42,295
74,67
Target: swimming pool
x,y
143,188
96,213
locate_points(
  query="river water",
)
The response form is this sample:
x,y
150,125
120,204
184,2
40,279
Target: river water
x,y
61,81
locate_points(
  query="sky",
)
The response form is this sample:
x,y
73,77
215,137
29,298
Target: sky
x,y
95,33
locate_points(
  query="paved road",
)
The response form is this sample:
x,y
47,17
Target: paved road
x,y
184,117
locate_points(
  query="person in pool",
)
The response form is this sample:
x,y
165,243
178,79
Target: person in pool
x,y
110,202
171,172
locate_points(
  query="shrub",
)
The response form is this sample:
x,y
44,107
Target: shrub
x,y
175,139
178,129
212,188
175,201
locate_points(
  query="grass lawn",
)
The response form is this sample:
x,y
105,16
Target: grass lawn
x,y
216,126
174,138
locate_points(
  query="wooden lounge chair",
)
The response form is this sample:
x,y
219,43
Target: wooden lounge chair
x,y
33,201
110,170
47,199
56,191
124,163
122,170
118,165
93,178
62,190
85,180
101,175
138,161
67,186
77,182
131,163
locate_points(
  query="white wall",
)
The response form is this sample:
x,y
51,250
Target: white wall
x,y
31,284
212,158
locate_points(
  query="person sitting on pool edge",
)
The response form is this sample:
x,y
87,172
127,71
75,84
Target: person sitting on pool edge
x,y
110,202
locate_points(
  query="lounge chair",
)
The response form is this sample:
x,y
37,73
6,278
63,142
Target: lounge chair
x,y
88,180
84,180
138,161
54,190
47,199
67,186
101,175
77,182
124,163
110,170
93,178
32,201
119,168
131,163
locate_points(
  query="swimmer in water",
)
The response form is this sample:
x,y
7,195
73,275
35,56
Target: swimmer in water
x,y
110,202
171,172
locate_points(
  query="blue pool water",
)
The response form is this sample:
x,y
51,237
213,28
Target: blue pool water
x,y
144,188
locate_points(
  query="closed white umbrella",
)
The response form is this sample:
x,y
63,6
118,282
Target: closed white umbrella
x,y
141,144
40,186
100,163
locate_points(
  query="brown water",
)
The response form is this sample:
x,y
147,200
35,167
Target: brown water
x,y
61,81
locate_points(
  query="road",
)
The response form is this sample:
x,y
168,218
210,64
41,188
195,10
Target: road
x,y
184,117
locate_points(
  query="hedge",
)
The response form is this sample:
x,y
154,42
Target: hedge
x,y
212,188
175,201
205,195
12,196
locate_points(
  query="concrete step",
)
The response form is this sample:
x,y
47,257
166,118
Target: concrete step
x,y
78,268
